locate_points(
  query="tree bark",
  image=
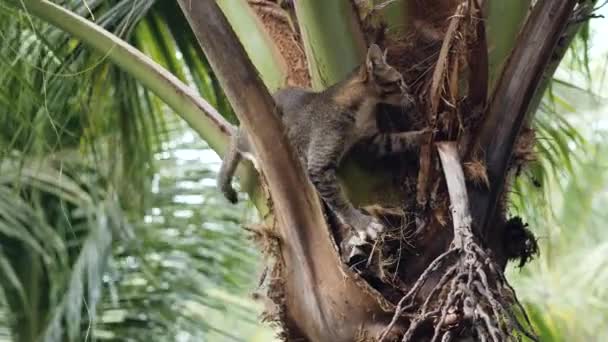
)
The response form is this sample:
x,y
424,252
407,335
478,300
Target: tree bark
x,y
510,102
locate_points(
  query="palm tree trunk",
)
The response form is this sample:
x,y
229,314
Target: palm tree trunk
x,y
321,299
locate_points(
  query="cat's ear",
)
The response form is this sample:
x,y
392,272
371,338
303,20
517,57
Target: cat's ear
x,y
374,61
375,57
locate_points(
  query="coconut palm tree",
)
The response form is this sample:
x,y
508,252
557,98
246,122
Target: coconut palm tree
x,y
478,70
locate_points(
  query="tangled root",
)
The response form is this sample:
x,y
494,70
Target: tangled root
x,y
472,294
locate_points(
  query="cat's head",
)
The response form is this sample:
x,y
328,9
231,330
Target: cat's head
x,y
385,81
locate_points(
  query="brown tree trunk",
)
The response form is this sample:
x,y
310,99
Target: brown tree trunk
x,y
448,285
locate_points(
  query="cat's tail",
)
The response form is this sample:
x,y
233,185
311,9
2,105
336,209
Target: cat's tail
x,y
228,168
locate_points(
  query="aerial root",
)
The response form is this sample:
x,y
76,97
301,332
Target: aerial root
x,y
471,297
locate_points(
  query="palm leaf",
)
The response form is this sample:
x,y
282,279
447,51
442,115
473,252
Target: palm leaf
x,y
95,135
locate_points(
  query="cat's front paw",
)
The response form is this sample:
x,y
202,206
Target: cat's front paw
x,y
351,248
368,228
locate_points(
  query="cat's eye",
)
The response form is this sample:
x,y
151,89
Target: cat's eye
x,y
391,89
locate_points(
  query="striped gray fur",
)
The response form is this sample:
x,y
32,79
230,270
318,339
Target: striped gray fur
x,y
323,126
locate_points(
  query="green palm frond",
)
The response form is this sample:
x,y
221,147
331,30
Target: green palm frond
x,y
61,97
74,98
99,141
55,235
